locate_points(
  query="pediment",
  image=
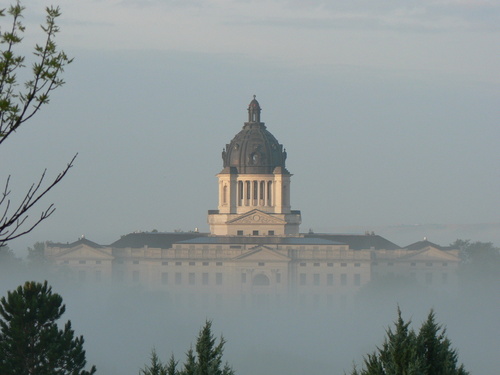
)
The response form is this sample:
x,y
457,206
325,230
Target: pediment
x,y
262,254
431,253
85,252
256,217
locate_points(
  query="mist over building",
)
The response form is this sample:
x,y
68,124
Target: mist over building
x,y
255,252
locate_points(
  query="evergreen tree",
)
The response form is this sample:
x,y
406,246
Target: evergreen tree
x,y
156,367
434,348
30,340
207,360
406,353
171,366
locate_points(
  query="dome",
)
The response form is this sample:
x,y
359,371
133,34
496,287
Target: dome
x,y
254,150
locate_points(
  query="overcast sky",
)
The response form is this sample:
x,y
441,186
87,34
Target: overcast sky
x,y
389,112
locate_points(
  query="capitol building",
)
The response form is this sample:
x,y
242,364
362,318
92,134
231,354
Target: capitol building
x,y
255,251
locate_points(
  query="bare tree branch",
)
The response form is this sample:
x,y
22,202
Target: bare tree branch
x,y
19,104
11,223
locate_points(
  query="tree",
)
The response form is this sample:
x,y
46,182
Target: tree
x,y
406,353
206,361
30,339
36,253
156,367
480,263
19,103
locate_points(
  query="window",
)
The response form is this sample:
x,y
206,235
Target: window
x,y
218,263
98,262
191,278
135,276
271,233
329,279
178,278
316,264
262,264
428,264
164,263
343,264
192,263
205,263
302,279
390,264
278,278
243,277
239,233
343,279
81,275
65,262
413,264
316,279
357,264
135,262
164,278
178,263
329,264
82,261
357,279
218,278
204,278
118,275
255,233
302,264
428,278
445,264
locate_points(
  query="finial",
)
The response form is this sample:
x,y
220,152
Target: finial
x,y
254,96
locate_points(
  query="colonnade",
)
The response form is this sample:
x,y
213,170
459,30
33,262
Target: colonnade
x,y
255,193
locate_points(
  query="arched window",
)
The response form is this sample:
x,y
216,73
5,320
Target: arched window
x,y
260,280
224,194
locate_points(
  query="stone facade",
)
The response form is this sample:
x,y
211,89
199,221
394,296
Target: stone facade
x,y
254,251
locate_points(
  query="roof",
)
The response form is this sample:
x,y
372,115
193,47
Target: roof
x,y
162,240
254,149
423,244
358,241
81,241
267,240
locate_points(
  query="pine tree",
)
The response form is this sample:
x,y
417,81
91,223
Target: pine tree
x,y
171,366
156,367
206,359
435,349
406,353
30,340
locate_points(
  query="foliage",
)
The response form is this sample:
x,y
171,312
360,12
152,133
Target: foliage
x,y
156,367
480,261
406,353
207,360
30,340
36,253
19,103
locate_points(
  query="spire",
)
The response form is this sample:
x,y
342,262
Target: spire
x,y
254,111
